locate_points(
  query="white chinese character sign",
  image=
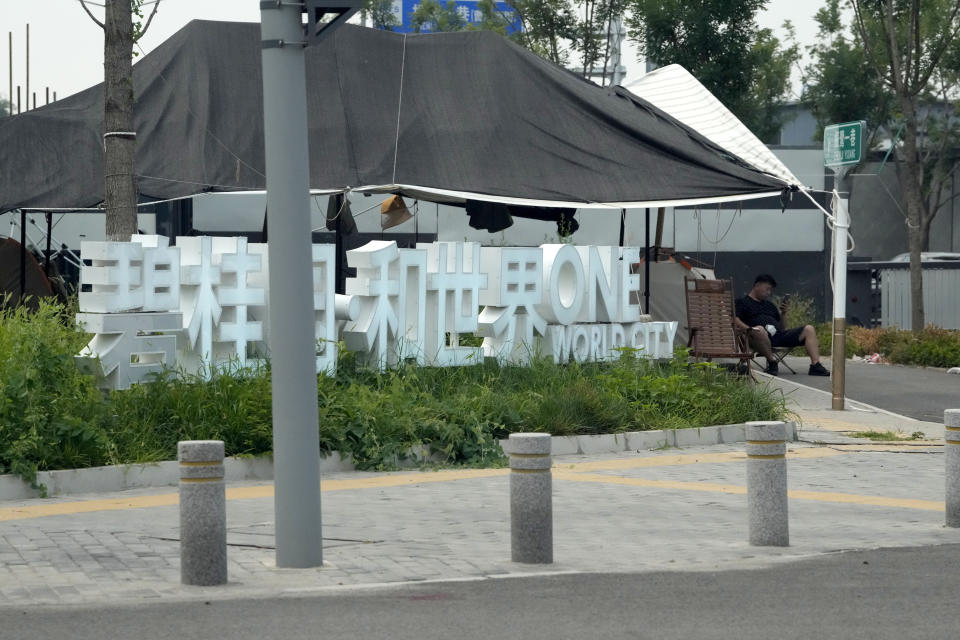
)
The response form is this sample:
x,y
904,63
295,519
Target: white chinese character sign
x,y
454,281
201,305
510,300
377,286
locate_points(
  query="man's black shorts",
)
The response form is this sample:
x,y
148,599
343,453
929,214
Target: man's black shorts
x,y
788,338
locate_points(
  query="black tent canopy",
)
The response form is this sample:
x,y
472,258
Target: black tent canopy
x,y
446,117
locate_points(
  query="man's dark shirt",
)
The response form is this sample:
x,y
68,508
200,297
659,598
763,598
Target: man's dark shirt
x,y
755,312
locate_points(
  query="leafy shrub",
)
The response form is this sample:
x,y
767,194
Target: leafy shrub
x,y
931,347
867,341
52,416
800,311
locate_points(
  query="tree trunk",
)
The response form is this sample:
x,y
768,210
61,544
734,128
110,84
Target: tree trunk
x,y
119,181
916,280
910,185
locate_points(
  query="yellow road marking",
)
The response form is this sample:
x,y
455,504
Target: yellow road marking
x,y
566,472
818,496
694,458
875,501
654,484
925,446
86,506
240,493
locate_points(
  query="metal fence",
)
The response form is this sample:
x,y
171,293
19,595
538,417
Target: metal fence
x,y
890,282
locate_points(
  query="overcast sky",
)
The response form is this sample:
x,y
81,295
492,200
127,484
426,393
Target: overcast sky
x,y
66,47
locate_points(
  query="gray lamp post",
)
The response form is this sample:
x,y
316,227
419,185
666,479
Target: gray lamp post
x,y
296,446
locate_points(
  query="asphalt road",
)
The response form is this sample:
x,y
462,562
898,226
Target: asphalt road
x,y
875,595
911,391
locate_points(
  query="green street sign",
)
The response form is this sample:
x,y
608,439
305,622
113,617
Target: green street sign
x,y
843,143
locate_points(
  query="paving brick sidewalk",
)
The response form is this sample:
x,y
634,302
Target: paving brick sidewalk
x,y
651,510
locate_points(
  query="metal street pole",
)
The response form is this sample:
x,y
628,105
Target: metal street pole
x,y
841,226
27,90
646,263
296,440
23,256
10,62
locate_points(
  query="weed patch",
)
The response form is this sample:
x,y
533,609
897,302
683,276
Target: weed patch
x,y
887,436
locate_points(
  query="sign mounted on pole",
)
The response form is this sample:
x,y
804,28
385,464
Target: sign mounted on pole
x,y
842,147
843,143
470,11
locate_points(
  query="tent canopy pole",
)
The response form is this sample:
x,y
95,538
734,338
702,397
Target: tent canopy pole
x,y
658,240
23,254
46,267
646,264
340,284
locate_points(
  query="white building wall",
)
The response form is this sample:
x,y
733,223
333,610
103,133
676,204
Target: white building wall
x,y
798,228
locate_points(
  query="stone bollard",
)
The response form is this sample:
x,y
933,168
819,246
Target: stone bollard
x,y
767,483
951,434
203,513
531,498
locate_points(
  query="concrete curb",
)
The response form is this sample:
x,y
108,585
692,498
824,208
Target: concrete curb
x,y
650,440
167,474
142,476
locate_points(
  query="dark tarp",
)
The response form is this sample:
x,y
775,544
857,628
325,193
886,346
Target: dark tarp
x,y
477,114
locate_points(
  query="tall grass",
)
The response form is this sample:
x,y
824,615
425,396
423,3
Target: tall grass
x,y
54,417
51,415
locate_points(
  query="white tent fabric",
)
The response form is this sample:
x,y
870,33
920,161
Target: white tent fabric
x,y
434,194
674,90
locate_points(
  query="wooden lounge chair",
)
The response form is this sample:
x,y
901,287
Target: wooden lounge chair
x,y
710,321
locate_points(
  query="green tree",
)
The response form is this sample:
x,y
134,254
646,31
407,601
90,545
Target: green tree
x,y
910,45
5,108
547,28
120,32
492,18
839,84
592,33
720,43
431,16
553,29
380,13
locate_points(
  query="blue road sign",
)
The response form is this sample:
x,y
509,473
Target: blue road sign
x,y
468,9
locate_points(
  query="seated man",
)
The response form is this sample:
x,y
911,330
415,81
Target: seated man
x,y
761,320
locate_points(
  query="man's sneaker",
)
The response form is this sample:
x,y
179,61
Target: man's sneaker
x,y
773,369
818,370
